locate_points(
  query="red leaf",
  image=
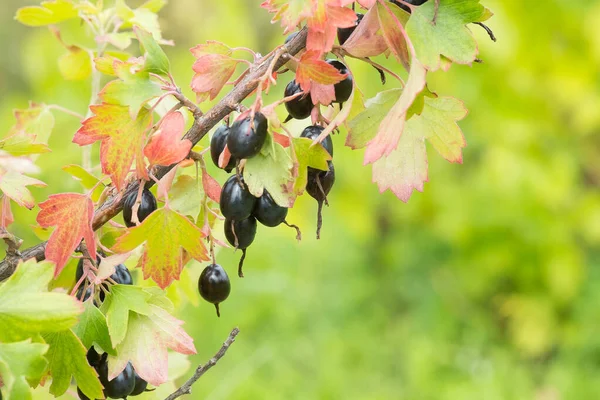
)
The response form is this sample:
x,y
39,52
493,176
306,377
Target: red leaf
x,y
121,139
323,94
390,20
166,147
6,215
224,157
283,140
365,41
311,69
211,186
212,73
327,16
72,214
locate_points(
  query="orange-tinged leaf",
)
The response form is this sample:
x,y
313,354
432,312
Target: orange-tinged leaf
x,y
327,16
312,69
211,186
210,47
212,73
14,185
72,214
366,40
6,215
166,147
393,33
121,138
289,12
164,234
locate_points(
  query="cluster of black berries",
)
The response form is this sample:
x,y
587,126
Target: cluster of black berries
x,y
127,383
120,276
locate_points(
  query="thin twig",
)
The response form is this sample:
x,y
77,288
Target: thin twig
x,y
186,388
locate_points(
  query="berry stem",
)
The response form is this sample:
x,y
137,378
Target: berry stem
x,y
298,232
241,264
319,219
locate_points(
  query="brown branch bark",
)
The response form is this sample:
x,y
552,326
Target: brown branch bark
x,y
202,124
186,388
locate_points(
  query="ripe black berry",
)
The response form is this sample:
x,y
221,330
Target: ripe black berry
x,y
79,393
318,187
236,201
312,132
267,212
140,385
240,234
413,2
344,33
300,107
122,275
121,386
217,145
93,357
147,206
214,285
343,89
245,139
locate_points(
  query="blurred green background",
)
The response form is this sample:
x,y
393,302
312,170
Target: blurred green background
x,y
485,286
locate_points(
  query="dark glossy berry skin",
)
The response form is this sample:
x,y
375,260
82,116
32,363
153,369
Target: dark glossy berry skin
x,y
344,33
326,179
140,385
217,145
300,107
343,89
312,132
93,357
245,231
122,275
83,297
214,285
245,140
147,206
267,212
236,201
121,386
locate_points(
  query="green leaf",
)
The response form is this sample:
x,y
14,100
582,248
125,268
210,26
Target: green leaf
x,y
186,194
21,364
363,128
86,179
92,328
26,307
448,36
118,303
308,156
156,59
76,65
50,12
154,5
272,172
22,144
37,122
133,89
67,358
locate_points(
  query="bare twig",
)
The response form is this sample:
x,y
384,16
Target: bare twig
x,y
186,388
202,124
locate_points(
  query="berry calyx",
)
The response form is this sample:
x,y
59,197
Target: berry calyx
x,y
147,206
240,234
79,270
299,107
312,132
245,138
344,33
140,385
217,145
236,201
318,187
268,212
214,285
121,386
343,89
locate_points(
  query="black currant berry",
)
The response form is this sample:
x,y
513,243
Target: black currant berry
x,y
343,89
93,357
217,145
121,386
318,187
122,275
245,139
236,201
214,285
267,212
81,296
312,132
240,234
344,33
140,385
300,107
147,206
